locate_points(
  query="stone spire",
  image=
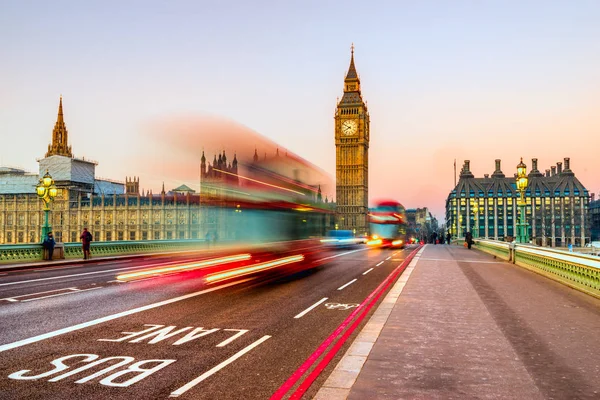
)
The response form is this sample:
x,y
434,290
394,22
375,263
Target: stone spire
x,y
60,137
352,82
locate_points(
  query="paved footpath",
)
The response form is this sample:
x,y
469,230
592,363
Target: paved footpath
x,y
460,324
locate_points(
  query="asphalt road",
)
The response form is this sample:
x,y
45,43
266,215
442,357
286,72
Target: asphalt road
x,y
175,335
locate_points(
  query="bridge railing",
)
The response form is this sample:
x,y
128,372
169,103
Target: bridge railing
x,y
579,271
14,253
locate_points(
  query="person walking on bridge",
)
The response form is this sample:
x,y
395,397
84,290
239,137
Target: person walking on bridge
x,y
469,239
86,239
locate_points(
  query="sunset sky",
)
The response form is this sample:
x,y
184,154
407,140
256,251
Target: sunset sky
x,y
444,80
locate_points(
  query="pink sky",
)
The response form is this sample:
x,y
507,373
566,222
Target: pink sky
x,y
443,81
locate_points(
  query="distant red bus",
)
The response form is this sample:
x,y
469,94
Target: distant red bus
x,y
388,224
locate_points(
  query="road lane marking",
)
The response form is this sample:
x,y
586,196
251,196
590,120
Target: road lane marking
x,y
85,273
303,313
38,338
388,258
334,338
380,263
339,255
14,298
80,265
61,294
373,325
347,284
213,370
338,306
367,271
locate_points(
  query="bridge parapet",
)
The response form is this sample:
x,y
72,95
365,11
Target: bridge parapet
x,y
12,253
579,271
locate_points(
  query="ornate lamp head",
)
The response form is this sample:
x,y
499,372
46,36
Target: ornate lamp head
x,y
47,179
521,169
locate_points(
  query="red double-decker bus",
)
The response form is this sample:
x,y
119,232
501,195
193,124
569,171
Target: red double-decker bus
x,y
388,224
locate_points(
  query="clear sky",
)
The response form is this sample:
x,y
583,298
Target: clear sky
x,y
444,80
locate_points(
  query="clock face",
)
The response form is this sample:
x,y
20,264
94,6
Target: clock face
x,y
349,127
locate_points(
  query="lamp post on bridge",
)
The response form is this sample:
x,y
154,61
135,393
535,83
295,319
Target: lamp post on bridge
x,y
46,191
476,212
522,182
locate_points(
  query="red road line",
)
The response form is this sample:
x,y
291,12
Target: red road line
x,y
291,381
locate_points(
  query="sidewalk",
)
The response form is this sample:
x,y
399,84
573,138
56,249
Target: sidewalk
x,y
446,331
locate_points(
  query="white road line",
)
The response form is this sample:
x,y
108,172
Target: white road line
x,y
33,294
213,370
84,273
380,263
339,255
61,294
367,271
347,284
388,258
303,313
83,325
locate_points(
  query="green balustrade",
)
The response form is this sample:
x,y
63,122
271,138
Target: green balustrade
x,y
16,253
579,271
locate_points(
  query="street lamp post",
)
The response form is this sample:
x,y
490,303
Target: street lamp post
x,y
47,191
522,182
476,212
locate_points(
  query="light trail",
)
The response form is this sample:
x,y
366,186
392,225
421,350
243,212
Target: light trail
x,y
237,272
186,267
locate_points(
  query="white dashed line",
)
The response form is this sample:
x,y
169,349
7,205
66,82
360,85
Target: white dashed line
x,y
388,258
62,294
347,284
367,271
379,263
303,313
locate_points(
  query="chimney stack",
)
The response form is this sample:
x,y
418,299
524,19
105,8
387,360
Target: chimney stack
x,y
559,168
486,175
498,165
534,165
567,164
553,168
467,165
547,173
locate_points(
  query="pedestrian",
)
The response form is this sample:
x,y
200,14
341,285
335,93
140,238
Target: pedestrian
x,y
86,239
448,238
434,237
49,244
469,239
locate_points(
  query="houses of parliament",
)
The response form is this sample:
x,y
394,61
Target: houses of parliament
x,y
114,210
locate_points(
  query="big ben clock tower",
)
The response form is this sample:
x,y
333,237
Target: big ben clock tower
x,y
352,156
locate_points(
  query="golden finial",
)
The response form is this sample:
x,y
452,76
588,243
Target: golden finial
x,y
352,48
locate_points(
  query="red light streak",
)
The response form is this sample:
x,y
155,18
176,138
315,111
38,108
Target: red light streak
x,y
184,267
257,181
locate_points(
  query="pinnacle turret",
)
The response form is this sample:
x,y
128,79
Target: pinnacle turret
x,y
60,136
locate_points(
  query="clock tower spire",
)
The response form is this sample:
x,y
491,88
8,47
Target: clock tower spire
x,y
352,155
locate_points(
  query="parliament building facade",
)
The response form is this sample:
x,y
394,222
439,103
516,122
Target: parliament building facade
x,y
113,210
